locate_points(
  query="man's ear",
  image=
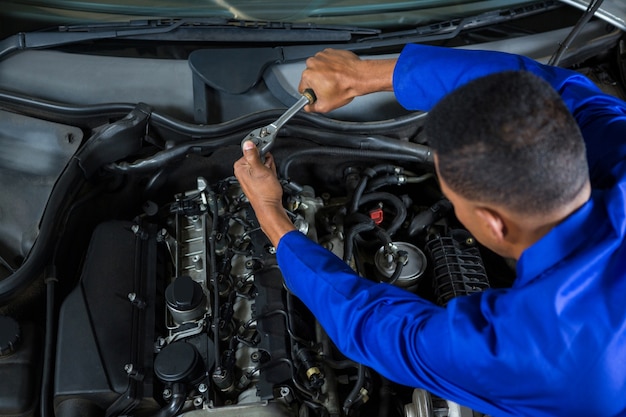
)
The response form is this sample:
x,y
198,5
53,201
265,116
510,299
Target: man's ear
x,y
494,223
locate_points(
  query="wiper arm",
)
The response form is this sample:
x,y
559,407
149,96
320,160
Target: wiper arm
x,y
70,34
209,29
451,28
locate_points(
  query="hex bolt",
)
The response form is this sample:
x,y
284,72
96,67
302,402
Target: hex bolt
x,y
202,388
167,394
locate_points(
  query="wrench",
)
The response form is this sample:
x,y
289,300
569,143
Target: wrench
x,y
264,137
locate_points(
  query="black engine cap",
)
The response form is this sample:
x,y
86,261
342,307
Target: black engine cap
x,y
184,293
10,335
178,362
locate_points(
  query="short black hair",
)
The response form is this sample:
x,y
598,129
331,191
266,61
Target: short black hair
x,y
508,138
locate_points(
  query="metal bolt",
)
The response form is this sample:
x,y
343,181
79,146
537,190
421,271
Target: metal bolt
x,y
129,368
132,296
271,250
159,344
135,228
469,241
197,402
202,388
167,394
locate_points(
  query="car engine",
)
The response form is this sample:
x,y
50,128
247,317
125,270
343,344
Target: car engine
x,y
183,311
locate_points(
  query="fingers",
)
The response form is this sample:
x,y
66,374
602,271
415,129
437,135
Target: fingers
x,y
332,74
251,154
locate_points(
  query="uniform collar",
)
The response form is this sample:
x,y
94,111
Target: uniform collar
x,y
560,242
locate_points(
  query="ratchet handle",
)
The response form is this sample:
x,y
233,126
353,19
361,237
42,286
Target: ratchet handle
x,y
264,137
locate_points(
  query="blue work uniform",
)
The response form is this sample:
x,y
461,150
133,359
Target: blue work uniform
x,y
552,345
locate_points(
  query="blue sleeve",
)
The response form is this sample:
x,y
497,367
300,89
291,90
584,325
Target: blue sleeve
x,y
372,322
424,74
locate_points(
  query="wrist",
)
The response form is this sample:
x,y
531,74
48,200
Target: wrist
x,y
379,76
274,222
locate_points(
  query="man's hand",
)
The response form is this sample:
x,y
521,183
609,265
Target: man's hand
x,y
338,76
259,183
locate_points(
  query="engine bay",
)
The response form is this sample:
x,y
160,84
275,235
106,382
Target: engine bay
x,y
184,308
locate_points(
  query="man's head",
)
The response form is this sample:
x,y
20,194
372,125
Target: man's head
x,y
507,143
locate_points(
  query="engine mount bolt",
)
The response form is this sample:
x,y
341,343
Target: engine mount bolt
x,y
202,388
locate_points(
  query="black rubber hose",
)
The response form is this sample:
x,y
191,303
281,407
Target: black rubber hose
x,y
352,153
348,243
358,192
367,175
426,218
179,395
28,104
49,345
397,271
354,393
396,202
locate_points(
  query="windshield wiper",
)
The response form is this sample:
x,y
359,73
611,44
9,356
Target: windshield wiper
x,y
451,28
207,30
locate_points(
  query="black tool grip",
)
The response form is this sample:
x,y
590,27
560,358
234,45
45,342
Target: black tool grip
x,y
310,94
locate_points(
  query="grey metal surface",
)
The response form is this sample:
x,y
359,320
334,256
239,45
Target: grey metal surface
x,y
612,11
33,153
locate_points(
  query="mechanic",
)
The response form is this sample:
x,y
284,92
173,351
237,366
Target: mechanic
x,y
537,174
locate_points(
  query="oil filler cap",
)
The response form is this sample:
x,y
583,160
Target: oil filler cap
x,y
10,335
178,362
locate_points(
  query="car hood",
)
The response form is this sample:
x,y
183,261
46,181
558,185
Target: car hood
x,y
612,11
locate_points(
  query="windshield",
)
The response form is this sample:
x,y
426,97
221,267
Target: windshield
x,y
363,13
